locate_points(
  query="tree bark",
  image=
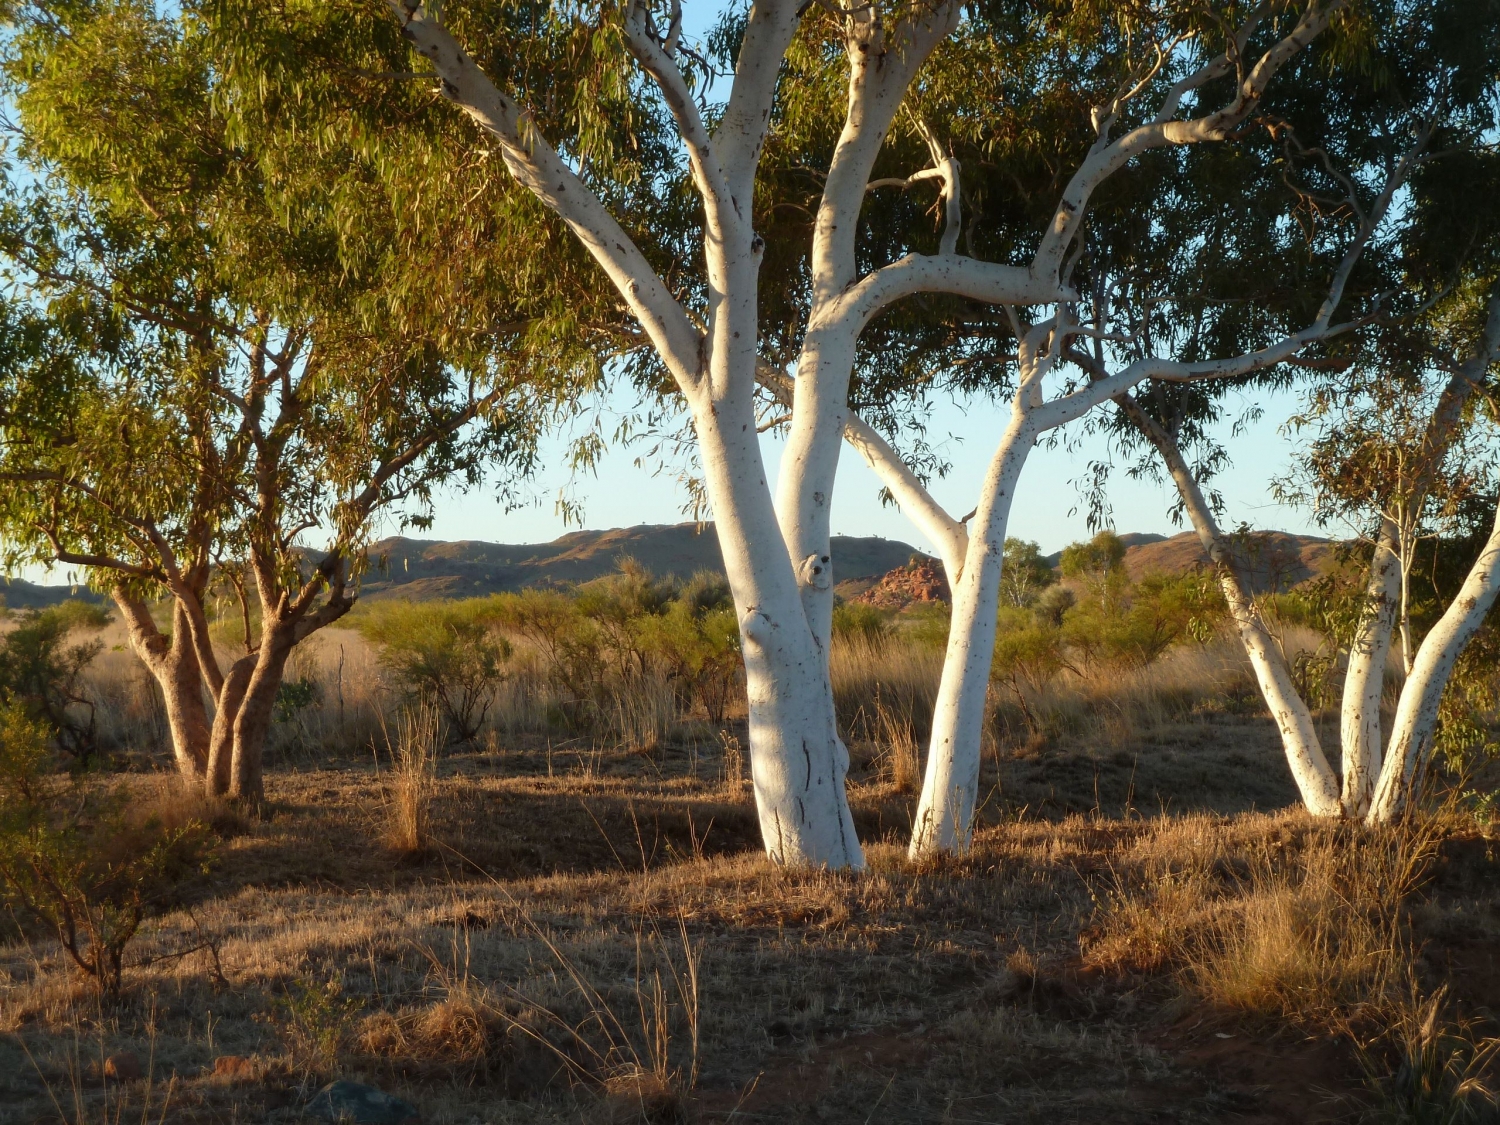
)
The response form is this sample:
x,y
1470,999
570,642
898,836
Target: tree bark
x,y
173,663
945,810
221,739
1415,726
1364,677
798,763
1299,738
252,719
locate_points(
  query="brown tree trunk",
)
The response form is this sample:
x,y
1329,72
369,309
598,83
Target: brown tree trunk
x,y
221,740
173,663
252,723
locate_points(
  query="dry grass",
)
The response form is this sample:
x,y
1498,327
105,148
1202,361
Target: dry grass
x,y
420,734
558,927
1306,926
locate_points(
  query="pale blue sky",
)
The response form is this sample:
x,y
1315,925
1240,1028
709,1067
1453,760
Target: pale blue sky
x,y
1048,508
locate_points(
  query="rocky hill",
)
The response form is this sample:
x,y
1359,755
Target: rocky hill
x,y
1275,560
420,569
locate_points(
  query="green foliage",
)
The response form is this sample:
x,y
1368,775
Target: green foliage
x,y
594,646
444,652
75,859
1025,574
1099,565
1029,653
42,673
856,620
1132,626
313,1020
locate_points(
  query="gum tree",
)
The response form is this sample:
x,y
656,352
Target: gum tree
x,y
1429,359
220,369
713,339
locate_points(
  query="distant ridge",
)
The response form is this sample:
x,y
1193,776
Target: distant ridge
x,y
1275,560
17,593
423,569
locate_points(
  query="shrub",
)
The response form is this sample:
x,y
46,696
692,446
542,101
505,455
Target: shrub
x,y
444,652
44,674
1028,655
1024,575
698,643
1132,626
73,858
856,619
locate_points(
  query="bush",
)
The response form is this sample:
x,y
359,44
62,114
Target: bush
x,y
444,652
41,672
73,858
697,642
1128,626
1029,654
853,620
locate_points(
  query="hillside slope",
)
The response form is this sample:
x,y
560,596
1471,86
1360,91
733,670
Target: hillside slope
x,y
1276,560
420,569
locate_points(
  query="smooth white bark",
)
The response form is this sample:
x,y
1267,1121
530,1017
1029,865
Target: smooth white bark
x,y
1309,765
798,762
945,811
1364,676
1414,728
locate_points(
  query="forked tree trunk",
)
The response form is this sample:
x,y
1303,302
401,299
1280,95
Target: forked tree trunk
x,y
1311,771
797,760
950,784
173,663
1364,677
221,739
1414,728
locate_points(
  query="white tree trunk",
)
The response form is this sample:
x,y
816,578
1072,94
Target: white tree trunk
x,y
1364,678
1415,725
1299,737
798,763
945,811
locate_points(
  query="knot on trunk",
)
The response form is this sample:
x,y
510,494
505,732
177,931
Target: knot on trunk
x,y
814,571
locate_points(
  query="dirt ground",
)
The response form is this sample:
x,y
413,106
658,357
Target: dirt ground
x,y
593,935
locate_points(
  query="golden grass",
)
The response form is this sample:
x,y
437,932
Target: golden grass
x,y
413,757
1306,925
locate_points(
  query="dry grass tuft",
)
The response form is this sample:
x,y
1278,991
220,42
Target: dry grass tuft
x,y
1308,925
1441,1067
419,737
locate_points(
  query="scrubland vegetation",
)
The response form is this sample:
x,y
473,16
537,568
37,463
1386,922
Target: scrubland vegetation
x,y
1072,844
507,869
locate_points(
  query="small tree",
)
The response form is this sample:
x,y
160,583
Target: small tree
x,y
42,673
73,858
444,653
1025,574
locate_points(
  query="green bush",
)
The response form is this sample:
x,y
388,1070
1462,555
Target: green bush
x,y
445,652
858,621
75,858
1123,626
696,640
1029,653
44,674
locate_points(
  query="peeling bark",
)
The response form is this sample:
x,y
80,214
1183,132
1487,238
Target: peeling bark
x,y
173,663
